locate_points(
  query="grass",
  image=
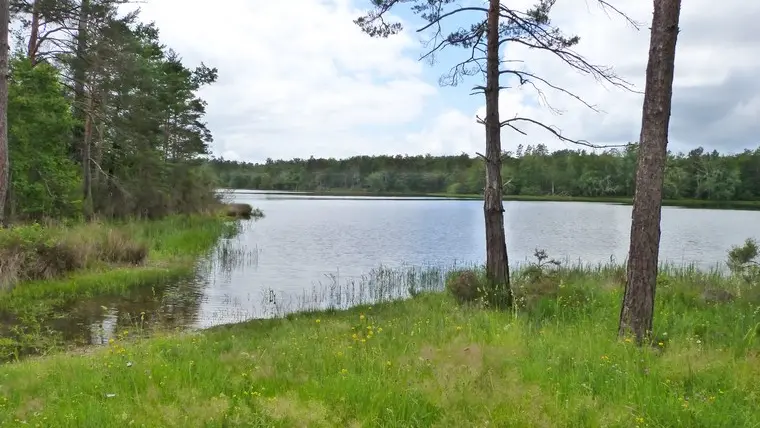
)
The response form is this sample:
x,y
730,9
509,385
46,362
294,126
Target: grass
x,y
426,361
99,259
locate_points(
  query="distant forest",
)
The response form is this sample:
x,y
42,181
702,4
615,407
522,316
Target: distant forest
x,y
531,170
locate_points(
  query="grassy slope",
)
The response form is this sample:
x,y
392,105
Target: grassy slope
x,y
421,362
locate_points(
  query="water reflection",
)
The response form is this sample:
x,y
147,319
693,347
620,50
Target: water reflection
x,y
324,253
205,299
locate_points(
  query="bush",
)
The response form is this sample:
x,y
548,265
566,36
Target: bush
x,y
529,284
743,261
472,286
465,285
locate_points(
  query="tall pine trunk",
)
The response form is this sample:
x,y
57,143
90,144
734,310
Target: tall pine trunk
x,y
79,74
33,46
82,111
637,311
87,203
4,53
497,266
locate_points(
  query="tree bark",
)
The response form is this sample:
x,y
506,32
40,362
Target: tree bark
x,y
637,311
33,46
497,266
87,203
79,73
4,53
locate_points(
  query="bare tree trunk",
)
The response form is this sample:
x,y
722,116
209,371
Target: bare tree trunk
x,y
637,311
4,52
497,267
79,73
33,46
87,203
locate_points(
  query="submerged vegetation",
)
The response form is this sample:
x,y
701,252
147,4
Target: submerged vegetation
x,y
553,360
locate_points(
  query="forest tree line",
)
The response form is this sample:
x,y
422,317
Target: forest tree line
x,y
103,119
531,170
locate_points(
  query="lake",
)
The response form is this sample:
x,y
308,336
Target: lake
x,y
311,248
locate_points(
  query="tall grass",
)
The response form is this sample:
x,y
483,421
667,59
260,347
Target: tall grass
x,y
33,252
426,361
386,284
89,260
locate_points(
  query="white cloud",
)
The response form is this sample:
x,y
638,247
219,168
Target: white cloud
x,y
711,51
299,78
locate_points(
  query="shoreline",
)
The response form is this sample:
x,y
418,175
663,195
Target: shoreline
x,y
423,361
174,245
681,203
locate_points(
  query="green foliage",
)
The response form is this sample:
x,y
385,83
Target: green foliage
x,y
421,362
473,286
466,286
530,171
45,182
106,123
743,260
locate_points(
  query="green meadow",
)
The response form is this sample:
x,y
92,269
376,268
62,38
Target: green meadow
x,y
426,361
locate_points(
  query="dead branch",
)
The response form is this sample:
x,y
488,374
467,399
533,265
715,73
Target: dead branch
x,y
453,12
552,42
525,77
113,179
606,5
557,133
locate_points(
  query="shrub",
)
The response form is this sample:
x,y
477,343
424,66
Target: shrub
x,y
472,286
743,261
465,285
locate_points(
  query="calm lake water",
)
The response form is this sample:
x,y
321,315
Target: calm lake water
x,y
307,243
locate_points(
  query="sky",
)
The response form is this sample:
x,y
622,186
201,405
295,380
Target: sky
x,y
298,78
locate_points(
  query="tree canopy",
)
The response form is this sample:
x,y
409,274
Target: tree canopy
x,y
104,119
531,170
